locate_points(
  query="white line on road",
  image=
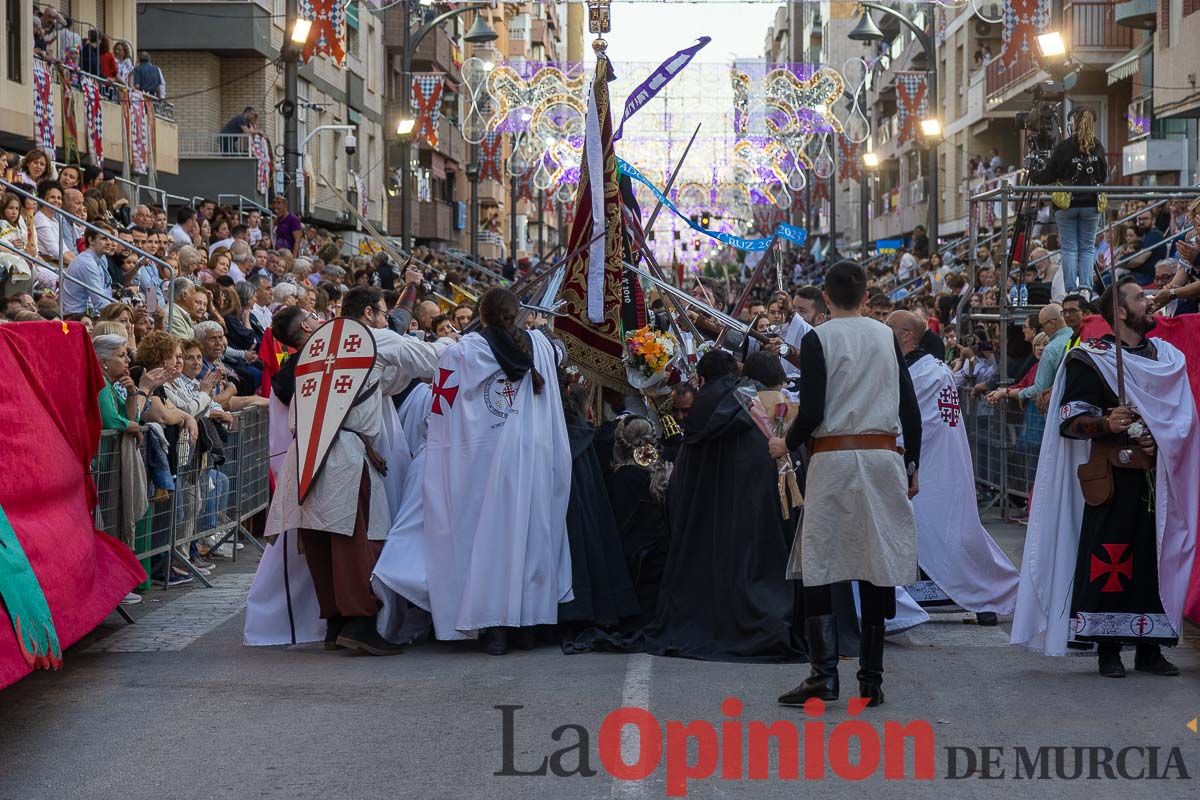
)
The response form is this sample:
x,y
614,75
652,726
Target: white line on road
x,y
182,620
634,693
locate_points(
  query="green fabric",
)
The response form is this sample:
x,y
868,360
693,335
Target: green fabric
x,y
26,604
112,411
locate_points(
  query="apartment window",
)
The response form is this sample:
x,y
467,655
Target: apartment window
x,y
13,28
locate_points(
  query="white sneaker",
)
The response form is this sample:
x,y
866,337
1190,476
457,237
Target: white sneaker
x,y
131,599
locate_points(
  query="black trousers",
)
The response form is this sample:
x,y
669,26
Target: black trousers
x,y
878,602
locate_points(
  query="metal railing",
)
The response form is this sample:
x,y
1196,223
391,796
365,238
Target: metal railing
x,y
200,144
210,495
110,90
65,215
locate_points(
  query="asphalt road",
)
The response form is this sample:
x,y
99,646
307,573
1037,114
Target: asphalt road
x,y
176,708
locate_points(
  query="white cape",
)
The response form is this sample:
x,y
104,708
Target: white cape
x,y
399,574
908,613
1160,392
281,606
953,547
497,482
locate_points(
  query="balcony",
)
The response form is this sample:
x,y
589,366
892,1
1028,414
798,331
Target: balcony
x,y
166,133
538,33
1139,14
491,192
430,220
1096,41
1154,155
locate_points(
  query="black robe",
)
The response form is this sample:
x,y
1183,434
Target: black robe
x,y
599,578
1116,568
645,535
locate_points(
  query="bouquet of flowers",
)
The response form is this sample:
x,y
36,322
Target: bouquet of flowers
x,y
648,353
772,412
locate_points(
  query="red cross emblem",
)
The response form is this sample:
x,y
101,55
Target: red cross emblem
x,y
352,343
1113,568
948,406
443,392
330,379
509,391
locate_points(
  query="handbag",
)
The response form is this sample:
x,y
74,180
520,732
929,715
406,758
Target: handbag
x,y
1060,199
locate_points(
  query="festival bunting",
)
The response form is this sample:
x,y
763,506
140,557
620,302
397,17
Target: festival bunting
x,y
820,190
328,19
1022,21
783,230
850,160
93,115
489,157
260,151
137,130
591,290
364,202
427,105
645,91
43,107
912,102
70,126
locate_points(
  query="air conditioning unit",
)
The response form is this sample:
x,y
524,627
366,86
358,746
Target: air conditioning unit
x,y
983,28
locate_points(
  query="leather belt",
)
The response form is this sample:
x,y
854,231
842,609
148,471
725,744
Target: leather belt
x,y
854,441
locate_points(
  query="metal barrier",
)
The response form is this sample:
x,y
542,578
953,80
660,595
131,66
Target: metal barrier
x,y
1005,440
213,496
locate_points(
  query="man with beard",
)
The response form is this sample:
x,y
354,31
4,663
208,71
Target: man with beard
x,y
1112,534
960,563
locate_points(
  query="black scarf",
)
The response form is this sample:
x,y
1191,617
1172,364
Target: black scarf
x,y
514,361
283,383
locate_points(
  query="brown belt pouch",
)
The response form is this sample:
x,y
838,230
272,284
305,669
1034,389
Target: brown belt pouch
x,y
1096,476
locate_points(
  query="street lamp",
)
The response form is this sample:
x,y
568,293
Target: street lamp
x,y
870,163
867,31
480,33
931,129
1051,45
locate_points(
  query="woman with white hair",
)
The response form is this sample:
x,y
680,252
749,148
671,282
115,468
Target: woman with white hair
x,y
285,294
121,400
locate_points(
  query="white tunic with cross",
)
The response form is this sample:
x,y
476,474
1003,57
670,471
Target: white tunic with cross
x,y
332,503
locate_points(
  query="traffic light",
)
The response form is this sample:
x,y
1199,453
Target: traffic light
x,y
705,219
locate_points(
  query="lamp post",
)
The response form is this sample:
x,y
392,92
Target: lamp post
x,y
473,219
866,31
870,162
297,30
480,33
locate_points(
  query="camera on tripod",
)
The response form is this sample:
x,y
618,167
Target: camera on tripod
x,y
1043,124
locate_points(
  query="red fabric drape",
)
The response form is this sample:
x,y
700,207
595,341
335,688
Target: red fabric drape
x,y
51,421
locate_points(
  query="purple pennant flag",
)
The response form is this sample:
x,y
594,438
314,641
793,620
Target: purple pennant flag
x,y
662,75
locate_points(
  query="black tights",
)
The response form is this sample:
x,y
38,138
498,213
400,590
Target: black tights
x,y
878,602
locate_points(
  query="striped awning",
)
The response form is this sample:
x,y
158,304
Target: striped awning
x,y
1129,64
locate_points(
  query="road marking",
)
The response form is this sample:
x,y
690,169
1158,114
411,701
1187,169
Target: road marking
x,y
181,621
634,693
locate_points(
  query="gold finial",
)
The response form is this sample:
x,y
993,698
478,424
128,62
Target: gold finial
x,y
600,45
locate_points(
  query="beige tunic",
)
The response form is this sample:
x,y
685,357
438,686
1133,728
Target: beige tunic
x,y
858,520
332,503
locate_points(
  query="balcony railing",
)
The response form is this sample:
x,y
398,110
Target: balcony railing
x,y
1092,25
109,90
197,144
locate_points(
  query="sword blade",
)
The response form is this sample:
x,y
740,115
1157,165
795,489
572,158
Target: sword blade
x,y
671,181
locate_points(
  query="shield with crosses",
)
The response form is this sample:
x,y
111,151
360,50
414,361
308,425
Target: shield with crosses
x,y
331,370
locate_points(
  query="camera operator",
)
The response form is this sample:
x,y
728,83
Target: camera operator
x,y
1077,160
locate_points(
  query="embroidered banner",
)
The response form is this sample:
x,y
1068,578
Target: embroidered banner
x,y
261,152
70,126
912,103
328,19
591,289
427,105
364,202
137,130
93,115
43,107
645,91
850,165
489,157
1022,21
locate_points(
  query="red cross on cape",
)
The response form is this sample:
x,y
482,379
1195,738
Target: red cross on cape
x,y
331,369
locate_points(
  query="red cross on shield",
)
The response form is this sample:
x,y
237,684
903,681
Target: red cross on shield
x,y
335,365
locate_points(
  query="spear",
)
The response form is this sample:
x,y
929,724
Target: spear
x,y
671,181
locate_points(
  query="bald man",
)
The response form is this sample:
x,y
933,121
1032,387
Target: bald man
x,y
73,204
1053,325
143,217
960,563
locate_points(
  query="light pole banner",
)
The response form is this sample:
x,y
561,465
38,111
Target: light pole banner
x,y
427,105
662,75
912,102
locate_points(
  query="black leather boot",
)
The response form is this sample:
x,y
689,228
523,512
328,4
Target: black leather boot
x,y
494,641
870,665
821,636
1149,658
333,628
1109,660
359,634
